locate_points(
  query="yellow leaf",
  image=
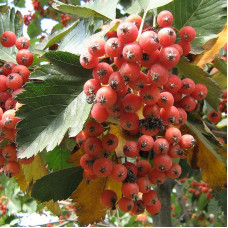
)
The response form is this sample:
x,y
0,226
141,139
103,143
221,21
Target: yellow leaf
x,y
212,48
87,198
221,79
122,138
29,174
75,157
200,157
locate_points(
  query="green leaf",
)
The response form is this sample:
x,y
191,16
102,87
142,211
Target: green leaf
x,y
220,79
19,3
202,202
77,40
198,75
99,9
207,17
57,159
54,104
221,65
55,38
213,206
10,21
34,29
58,185
146,5
197,125
221,197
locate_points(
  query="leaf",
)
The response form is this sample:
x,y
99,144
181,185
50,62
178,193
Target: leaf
x,y
87,198
28,176
19,3
146,5
77,40
54,104
221,197
198,75
75,157
57,159
208,154
221,65
207,17
213,206
220,79
58,185
34,29
10,21
55,38
202,202
212,48
122,139
99,8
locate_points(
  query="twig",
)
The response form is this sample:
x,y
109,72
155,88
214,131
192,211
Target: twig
x,y
219,133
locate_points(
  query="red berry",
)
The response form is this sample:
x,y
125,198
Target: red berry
x,y
113,47
91,87
132,102
130,149
93,146
151,111
94,128
188,103
88,61
158,74
109,142
149,41
173,84
169,115
130,190
86,161
101,72
167,36
173,135
149,59
175,171
119,172
9,120
150,94
143,167
116,81
106,96
188,86
132,52
150,197
108,198
129,121
99,113
102,167
162,162
23,71
7,68
24,57
138,208
186,47
22,43
161,146
169,56
97,47
130,71
165,18
200,92
187,141
8,39
166,100
11,168
155,208
145,143
214,116
187,33
135,19
9,152
157,177
14,81
125,204
127,32
81,138
175,151
3,85
144,184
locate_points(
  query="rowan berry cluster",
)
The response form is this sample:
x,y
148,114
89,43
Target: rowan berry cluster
x,y
131,71
197,188
3,206
12,78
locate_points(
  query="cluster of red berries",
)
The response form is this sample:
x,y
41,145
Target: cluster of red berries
x,y
200,187
134,73
215,116
12,79
3,208
64,18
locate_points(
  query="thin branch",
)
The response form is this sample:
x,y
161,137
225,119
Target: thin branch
x,y
219,133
